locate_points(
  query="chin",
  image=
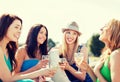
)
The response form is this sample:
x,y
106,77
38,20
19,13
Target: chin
x,y
69,43
15,40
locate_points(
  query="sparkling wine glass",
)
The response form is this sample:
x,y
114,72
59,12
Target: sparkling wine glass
x,y
62,60
78,58
46,57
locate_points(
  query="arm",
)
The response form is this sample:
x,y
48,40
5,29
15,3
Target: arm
x,y
5,74
80,76
91,73
84,50
115,66
84,66
89,69
97,70
4,71
20,57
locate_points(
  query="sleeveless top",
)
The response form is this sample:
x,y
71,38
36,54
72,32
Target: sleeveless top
x,y
105,71
8,64
23,69
27,64
71,77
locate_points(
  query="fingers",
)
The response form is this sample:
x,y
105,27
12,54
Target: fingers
x,y
43,63
83,65
42,79
50,72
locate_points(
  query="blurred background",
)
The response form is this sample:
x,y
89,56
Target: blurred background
x,y
90,15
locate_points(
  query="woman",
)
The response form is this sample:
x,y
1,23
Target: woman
x,y
107,70
10,30
68,49
35,47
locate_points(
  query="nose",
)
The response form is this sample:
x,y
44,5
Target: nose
x,y
102,29
19,31
44,36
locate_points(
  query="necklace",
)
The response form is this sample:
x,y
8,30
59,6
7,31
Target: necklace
x,y
70,59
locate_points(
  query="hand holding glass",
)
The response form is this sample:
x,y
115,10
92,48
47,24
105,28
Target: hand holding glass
x,y
62,60
78,58
45,57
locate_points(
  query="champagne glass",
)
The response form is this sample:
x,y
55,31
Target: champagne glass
x,y
54,59
46,57
62,60
78,58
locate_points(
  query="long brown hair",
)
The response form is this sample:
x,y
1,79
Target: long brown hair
x,y
5,21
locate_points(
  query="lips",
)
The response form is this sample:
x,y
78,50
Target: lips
x,y
41,40
17,36
69,39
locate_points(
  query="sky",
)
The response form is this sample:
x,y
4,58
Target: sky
x,y
90,15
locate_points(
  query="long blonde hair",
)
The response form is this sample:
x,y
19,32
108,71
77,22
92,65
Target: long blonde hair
x,y
65,46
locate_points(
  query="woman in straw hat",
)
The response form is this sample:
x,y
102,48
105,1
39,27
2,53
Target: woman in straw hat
x,y
67,50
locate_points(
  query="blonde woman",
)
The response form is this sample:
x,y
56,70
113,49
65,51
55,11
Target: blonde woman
x,y
68,48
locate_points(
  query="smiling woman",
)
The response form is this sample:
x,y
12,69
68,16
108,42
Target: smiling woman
x,y
10,30
100,12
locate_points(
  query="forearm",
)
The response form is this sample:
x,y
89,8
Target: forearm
x,y
80,76
34,68
91,73
31,75
100,77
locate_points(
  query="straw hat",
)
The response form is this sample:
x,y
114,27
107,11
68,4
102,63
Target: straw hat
x,y
72,26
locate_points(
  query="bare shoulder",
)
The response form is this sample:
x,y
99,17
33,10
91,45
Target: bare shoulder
x,y
115,56
21,52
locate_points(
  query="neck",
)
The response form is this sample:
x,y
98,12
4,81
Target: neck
x,y
3,44
71,47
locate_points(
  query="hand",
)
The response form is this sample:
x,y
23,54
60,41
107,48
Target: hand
x,y
83,65
42,79
65,65
98,66
49,72
42,64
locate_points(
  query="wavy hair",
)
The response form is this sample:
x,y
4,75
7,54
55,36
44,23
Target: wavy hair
x,y
5,21
114,37
31,42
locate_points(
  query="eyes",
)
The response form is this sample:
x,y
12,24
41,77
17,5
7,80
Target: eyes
x,y
71,32
42,32
18,27
104,28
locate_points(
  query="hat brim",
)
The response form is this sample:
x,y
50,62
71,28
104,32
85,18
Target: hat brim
x,y
64,29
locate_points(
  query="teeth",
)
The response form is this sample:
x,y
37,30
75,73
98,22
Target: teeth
x,y
70,39
17,36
